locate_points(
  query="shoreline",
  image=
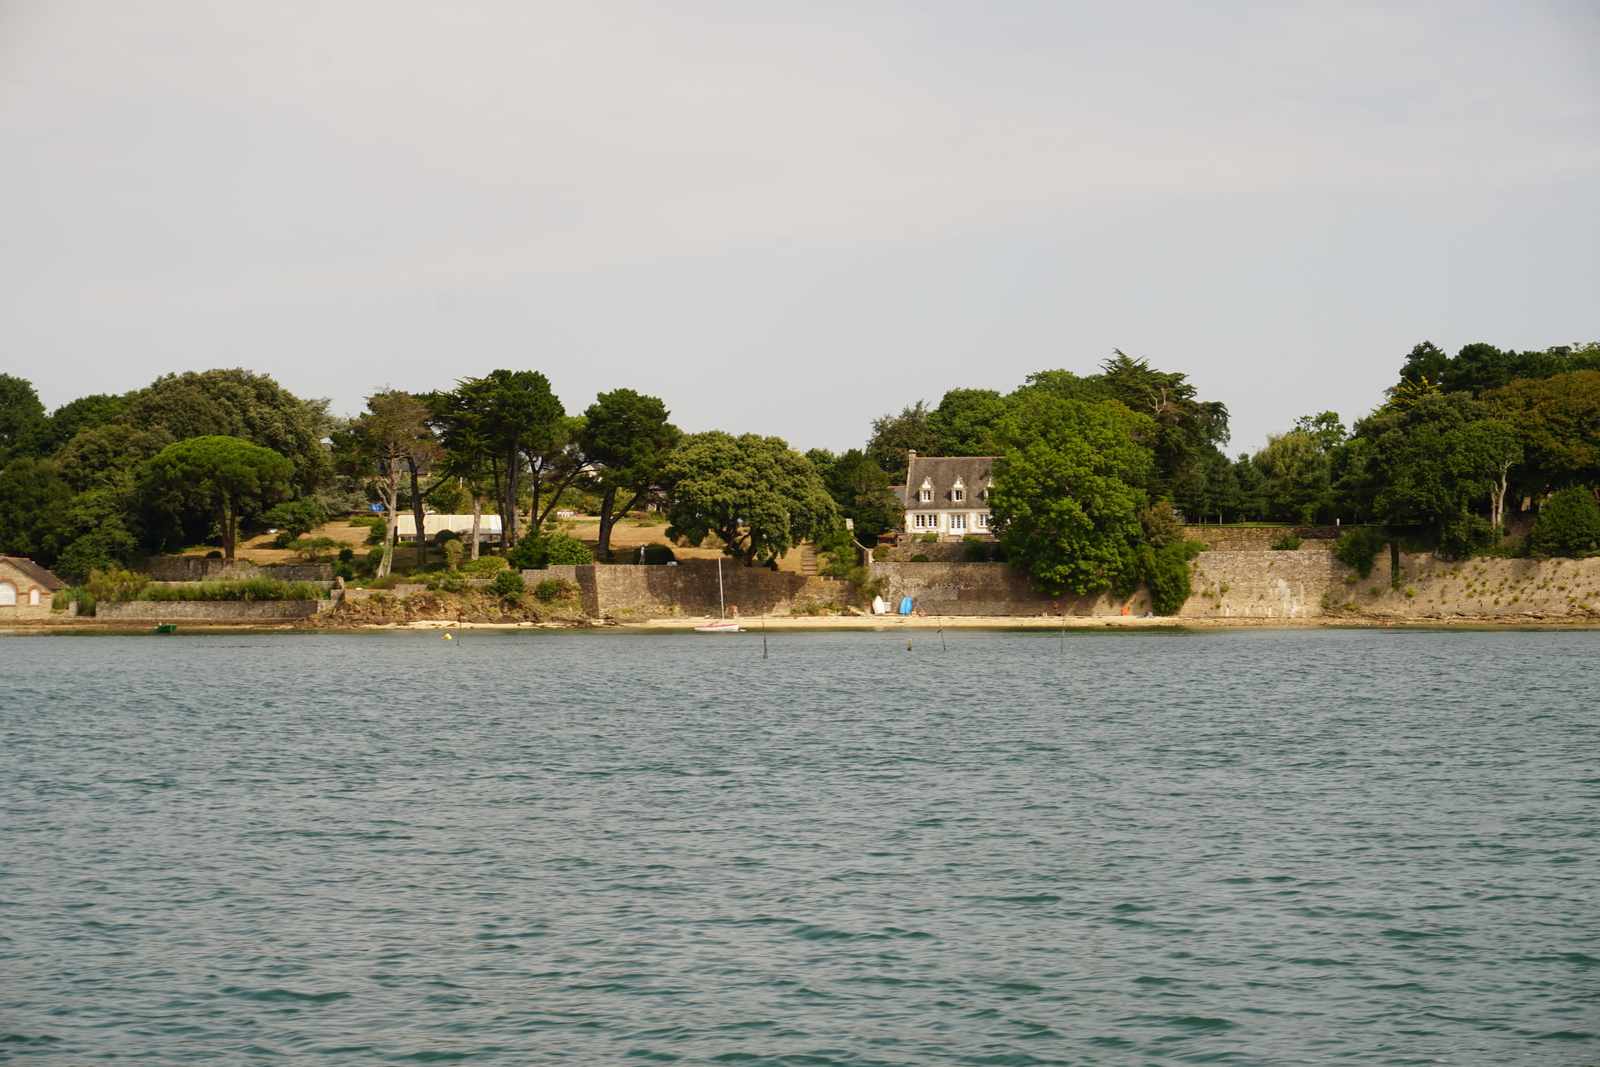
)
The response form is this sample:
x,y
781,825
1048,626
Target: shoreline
x,y
849,623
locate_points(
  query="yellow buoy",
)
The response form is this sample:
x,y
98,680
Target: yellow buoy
x,y
447,637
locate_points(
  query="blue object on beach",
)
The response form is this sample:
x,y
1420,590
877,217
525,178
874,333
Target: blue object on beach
x,y
905,606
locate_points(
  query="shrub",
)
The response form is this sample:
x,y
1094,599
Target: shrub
x,y
347,554
1287,542
297,518
454,552
997,554
554,589
1468,536
974,551
508,586
312,548
250,589
880,553
68,595
448,582
1166,575
537,553
930,538
1568,523
919,558
649,555
485,566
115,583
444,537
1359,548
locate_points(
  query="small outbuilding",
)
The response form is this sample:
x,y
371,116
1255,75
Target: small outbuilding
x,y
26,588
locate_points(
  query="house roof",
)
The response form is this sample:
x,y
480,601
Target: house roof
x,y
36,573
943,473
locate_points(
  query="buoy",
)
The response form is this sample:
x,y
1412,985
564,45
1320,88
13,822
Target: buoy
x,y
447,637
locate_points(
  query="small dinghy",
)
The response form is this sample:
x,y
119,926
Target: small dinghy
x,y
167,628
728,626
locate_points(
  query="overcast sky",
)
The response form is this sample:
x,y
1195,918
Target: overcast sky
x,y
791,217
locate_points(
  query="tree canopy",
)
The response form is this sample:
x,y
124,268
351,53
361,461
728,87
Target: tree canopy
x,y
223,471
755,494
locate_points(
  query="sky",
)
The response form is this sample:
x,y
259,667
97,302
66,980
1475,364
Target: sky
x,y
793,216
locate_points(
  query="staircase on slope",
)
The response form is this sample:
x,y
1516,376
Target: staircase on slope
x,y
808,560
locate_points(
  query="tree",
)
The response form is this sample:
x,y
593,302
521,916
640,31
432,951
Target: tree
x,y
895,435
21,414
238,403
1325,429
1181,425
379,446
516,414
627,437
860,489
1296,473
1065,498
1558,420
1434,458
1569,522
84,413
757,495
297,518
224,471
33,519
967,422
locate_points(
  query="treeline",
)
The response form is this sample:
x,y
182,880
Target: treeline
x,y
106,481
1092,470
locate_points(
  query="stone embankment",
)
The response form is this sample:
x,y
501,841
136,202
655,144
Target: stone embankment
x,y
379,609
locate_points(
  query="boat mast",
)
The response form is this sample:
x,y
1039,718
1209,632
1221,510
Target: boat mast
x,y
722,602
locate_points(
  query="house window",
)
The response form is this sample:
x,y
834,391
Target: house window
x,y
961,494
8,594
926,522
33,596
983,522
925,495
958,522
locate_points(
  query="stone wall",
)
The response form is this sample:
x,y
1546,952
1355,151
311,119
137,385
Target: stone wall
x,y
1260,538
986,589
153,611
690,589
1272,585
200,569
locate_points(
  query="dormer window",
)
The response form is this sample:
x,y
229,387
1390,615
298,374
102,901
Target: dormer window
x,y
960,494
925,496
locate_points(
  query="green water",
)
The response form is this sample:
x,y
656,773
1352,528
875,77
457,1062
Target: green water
x,y
1244,848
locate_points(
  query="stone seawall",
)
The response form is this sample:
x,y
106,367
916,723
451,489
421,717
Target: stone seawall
x,y
1260,538
154,611
200,569
690,589
987,589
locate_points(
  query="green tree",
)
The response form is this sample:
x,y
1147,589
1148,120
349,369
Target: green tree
x,y
224,471
1181,425
21,415
379,446
967,422
238,403
1432,460
34,514
1065,499
1558,421
627,437
517,415
1325,429
1296,472
860,489
1569,522
755,494
84,413
895,435
297,517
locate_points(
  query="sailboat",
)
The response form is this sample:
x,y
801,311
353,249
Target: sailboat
x,y
725,625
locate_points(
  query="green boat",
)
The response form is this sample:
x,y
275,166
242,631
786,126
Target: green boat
x,y
167,628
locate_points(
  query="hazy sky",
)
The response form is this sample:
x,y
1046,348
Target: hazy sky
x,y
790,217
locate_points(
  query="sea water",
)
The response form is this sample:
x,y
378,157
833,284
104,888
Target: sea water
x,y
1250,848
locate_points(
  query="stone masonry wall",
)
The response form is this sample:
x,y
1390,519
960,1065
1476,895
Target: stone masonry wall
x,y
1258,538
690,588
208,610
200,569
1272,585
995,589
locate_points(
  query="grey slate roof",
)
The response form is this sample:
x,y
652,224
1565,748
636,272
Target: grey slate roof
x,y
943,472
35,572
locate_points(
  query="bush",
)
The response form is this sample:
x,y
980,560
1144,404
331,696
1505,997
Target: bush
x,y
66,596
1468,536
1359,548
919,558
297,518
1287,542
554,589
508,586
930,538
485,566
448,582
1568,523
454,553
653,555
313,548
880,553
997,554
347,554
1166,575
250,589
558,550
974,551
115,583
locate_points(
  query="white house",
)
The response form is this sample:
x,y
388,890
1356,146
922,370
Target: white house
x,y
947,495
